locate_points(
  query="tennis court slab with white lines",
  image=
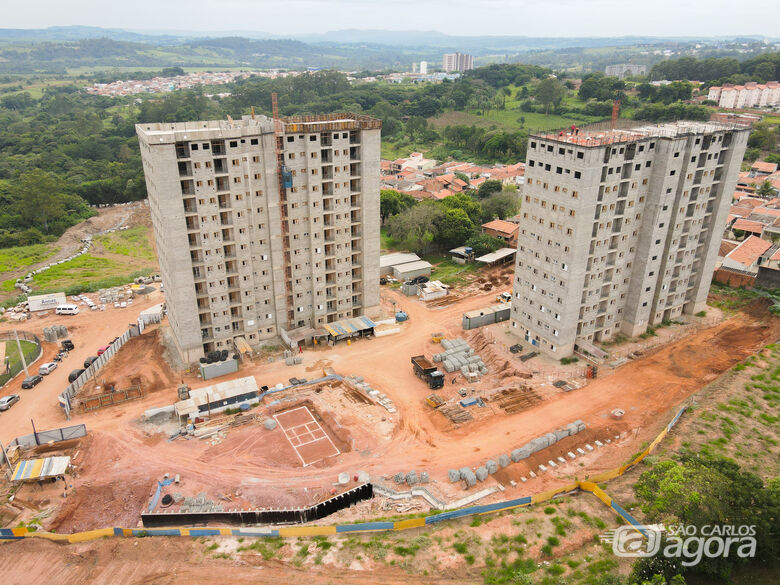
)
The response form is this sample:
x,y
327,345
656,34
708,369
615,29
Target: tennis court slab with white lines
x,y
306,435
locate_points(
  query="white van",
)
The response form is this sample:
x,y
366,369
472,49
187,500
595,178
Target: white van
x,y
67,310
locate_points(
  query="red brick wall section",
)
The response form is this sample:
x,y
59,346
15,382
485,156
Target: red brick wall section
x,y
733,279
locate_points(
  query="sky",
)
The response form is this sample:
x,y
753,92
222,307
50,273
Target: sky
x,y
536,18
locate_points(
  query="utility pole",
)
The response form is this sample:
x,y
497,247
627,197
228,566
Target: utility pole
x,y
21,354
5,456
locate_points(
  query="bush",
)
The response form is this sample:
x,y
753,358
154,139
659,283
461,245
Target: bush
x,y
569,360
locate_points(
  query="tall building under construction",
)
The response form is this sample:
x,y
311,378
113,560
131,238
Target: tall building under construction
x,y
620,229
263,229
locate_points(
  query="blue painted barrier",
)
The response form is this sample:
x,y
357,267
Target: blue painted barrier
x,y
365,526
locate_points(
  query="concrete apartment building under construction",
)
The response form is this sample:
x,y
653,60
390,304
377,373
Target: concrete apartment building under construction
x,y
260,231
620,229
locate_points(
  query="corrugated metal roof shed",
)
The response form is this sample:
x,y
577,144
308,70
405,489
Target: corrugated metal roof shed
x,y
349,326
215,393
33,469
389,260
409,267
499,254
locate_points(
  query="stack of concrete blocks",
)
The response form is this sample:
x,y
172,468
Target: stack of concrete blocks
x,y
291,358
465,474
380,397
55,332
544,441
112,295
458,355
468,476
269,424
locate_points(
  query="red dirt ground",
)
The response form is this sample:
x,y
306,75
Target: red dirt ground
x,y
121,461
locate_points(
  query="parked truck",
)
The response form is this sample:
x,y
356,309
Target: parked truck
x,y
427,372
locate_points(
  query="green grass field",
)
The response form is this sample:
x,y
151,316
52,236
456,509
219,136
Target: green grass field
x,y
449,272
12,259
86,273
134,242
30,351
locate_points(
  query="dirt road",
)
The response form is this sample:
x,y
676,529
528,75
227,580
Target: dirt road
x,y
88,330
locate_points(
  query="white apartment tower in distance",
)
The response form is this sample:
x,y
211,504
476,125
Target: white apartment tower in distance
x,y
246,250
423,67
620,229
457,62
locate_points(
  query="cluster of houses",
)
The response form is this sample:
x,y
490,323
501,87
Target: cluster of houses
x,y
750,95
750,250
425,178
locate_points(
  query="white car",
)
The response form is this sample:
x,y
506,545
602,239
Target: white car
x,y
47,368
123,305
116,304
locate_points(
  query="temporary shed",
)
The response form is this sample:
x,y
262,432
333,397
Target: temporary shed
x,y
432,290
479,318
412,270
347,328
38,469
45,302
388,261
152,314
216,398
486,316
499,256
462,254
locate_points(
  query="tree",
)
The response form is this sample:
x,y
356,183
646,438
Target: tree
x,y
700,489
463,177
550,92
466,203
416,227
501,205
484,244
393,202
454,228
488,187
38,198
765,189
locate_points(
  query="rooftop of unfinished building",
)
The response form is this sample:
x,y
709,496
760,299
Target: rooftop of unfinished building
x,y
597,135
259,124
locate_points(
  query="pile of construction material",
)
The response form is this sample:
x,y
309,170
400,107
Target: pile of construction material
x,y
198,504
22,284
291,358
458,355
115,294
547,440
379,397
55,332
411,478
491,466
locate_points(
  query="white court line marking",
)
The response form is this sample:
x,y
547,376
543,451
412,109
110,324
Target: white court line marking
x,y
294,428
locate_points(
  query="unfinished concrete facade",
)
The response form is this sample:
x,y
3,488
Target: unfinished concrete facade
x,y
244,252
620,229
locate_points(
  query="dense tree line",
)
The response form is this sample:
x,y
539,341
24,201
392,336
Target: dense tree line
x,y
88,143
703,490
454,221
715,70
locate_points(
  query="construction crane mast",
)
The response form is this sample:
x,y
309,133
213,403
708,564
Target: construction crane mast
x,y
615,112
285,182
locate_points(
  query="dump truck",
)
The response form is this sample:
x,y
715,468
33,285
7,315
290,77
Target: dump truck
x,y
426,371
